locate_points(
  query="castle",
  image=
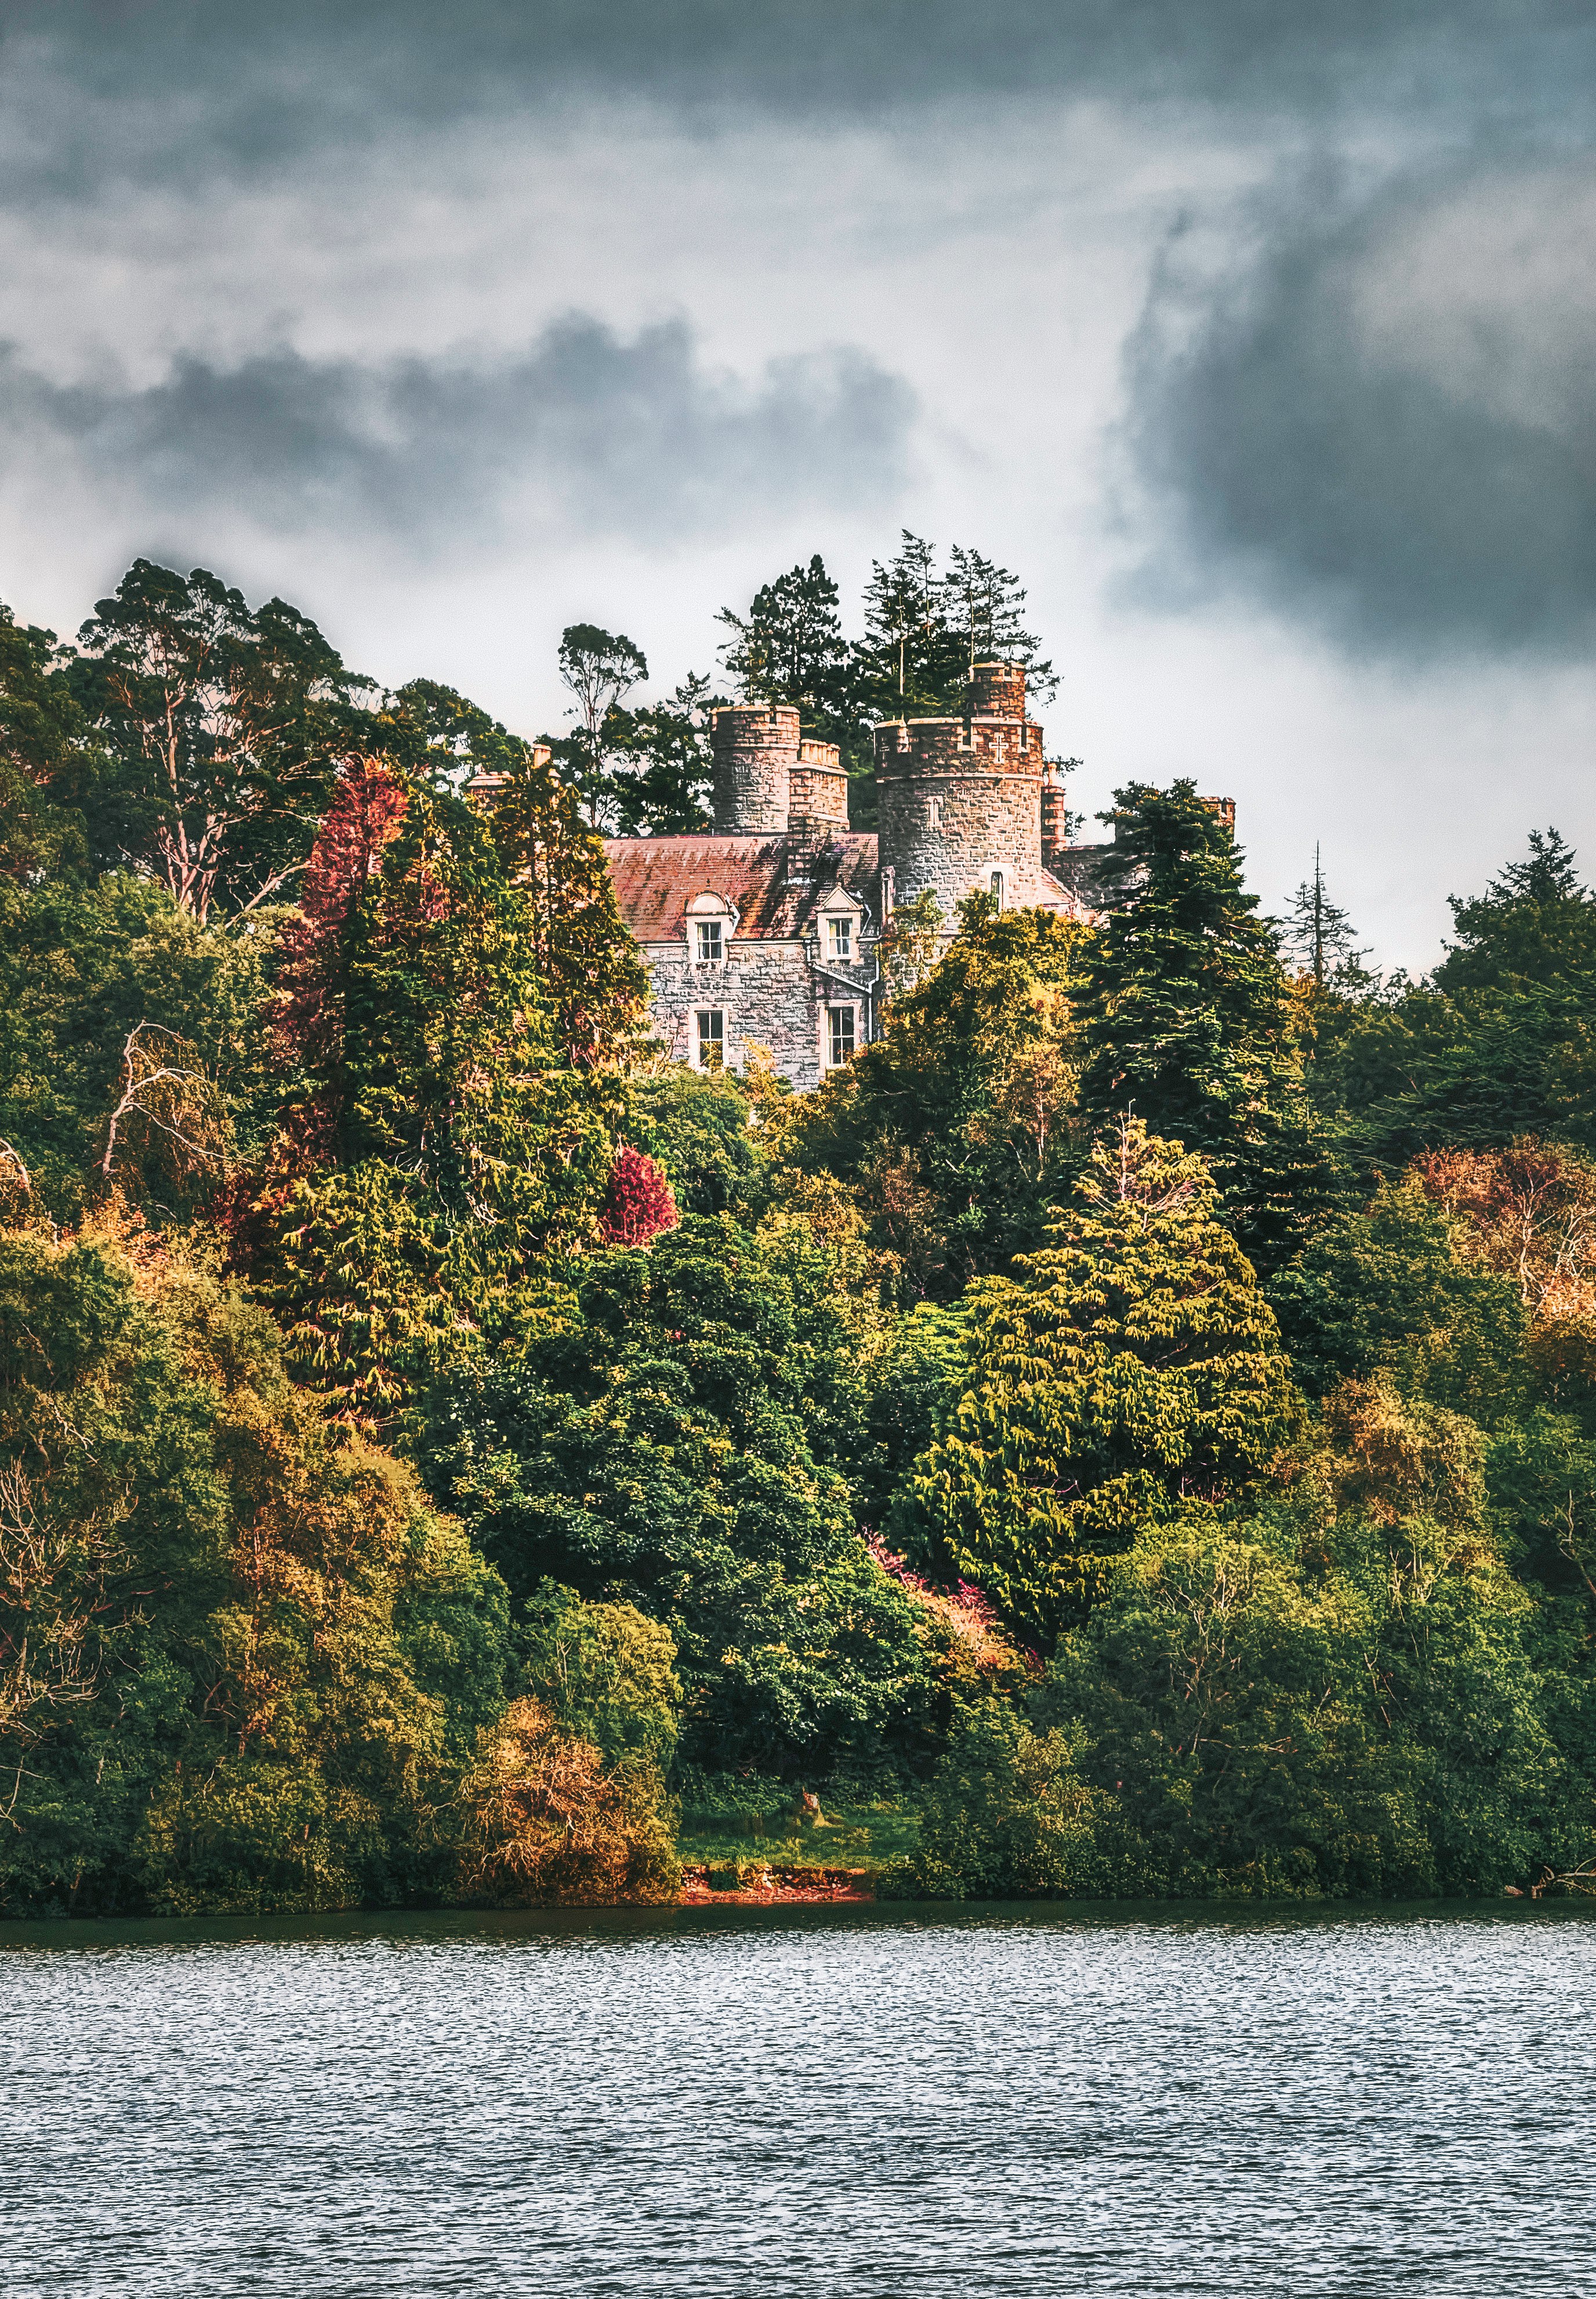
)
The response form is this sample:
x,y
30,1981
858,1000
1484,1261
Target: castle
x,y
764,930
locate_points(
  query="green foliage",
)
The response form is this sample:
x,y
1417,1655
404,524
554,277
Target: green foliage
x,y
597,667
46,759
1534,923
1387,1288
680,1447
221,725
659,778
953,1128
1188,1022
695,1125
789,648
606,1672
82,965
1133,1366
912,1380
457,1143
1339,1694
1006,1816
267,1662
1498,1044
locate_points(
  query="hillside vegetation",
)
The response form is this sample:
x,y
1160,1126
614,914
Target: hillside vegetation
x,y
1131,1432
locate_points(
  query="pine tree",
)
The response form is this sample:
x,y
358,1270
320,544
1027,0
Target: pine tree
x,y
663,754
913,658
1135,1366
1319,935
985,604
789,648
1188,1024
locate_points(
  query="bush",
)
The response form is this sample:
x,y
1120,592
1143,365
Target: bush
x,y
547,1820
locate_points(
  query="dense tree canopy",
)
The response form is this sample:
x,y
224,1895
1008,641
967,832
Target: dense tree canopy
x,y
1133,1430
1130,1367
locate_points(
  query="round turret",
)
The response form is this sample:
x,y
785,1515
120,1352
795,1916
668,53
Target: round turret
x,y
959,801
755,750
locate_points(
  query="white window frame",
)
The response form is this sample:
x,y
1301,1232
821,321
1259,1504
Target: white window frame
x,y
835,1015
710,934
839,936
709,1042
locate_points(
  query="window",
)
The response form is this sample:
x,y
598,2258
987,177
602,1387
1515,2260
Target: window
x,y
840,1026
840,934
997,888
934,813
708,940
712,1037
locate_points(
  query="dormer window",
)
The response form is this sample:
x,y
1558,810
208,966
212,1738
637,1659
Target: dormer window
x,y
711,945
839,933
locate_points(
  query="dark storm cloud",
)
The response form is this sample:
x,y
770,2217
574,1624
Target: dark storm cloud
x,y
1384,426
586,434
193,84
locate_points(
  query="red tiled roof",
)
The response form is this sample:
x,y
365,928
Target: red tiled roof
x,y
774,883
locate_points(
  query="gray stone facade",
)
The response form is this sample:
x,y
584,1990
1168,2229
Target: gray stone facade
x,y
764,931
756,943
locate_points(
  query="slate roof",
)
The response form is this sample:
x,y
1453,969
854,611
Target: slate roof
x,y
775,884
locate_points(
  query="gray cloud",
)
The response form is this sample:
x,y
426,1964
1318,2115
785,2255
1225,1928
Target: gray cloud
x,y
186,85
1384,426
584,434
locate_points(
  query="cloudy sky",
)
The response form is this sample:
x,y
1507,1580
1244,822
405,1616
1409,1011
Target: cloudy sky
x,y
1257,336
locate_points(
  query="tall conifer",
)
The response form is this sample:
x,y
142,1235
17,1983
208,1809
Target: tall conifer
x,y
1188,1021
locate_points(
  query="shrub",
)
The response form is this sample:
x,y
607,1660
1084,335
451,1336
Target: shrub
x,y
546,1819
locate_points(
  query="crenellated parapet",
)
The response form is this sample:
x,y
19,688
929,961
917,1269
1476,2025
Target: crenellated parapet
x,y
755,749
959,799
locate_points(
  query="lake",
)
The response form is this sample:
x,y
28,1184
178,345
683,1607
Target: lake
x,y
905,2103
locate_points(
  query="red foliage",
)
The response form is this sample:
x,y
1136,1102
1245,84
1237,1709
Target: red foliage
x,y
368,808
638,1203
966,1616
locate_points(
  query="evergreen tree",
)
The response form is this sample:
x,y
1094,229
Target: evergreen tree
x,y
1188,1019
663,757
914,658
985,604
1533,924
789,648
1133,1369
1319,935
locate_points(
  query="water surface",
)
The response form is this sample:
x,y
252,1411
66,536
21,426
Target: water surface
x,y
927,2103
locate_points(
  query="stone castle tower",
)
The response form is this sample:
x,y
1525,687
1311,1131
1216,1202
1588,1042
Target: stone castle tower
x,y
965,803
769,781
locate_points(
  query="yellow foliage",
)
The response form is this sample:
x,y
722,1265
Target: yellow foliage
x,y
545,1820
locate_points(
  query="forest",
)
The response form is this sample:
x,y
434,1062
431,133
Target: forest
x,y
1131,1433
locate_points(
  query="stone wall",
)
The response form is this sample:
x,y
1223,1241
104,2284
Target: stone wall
x,y
772,993
755,747
817,791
